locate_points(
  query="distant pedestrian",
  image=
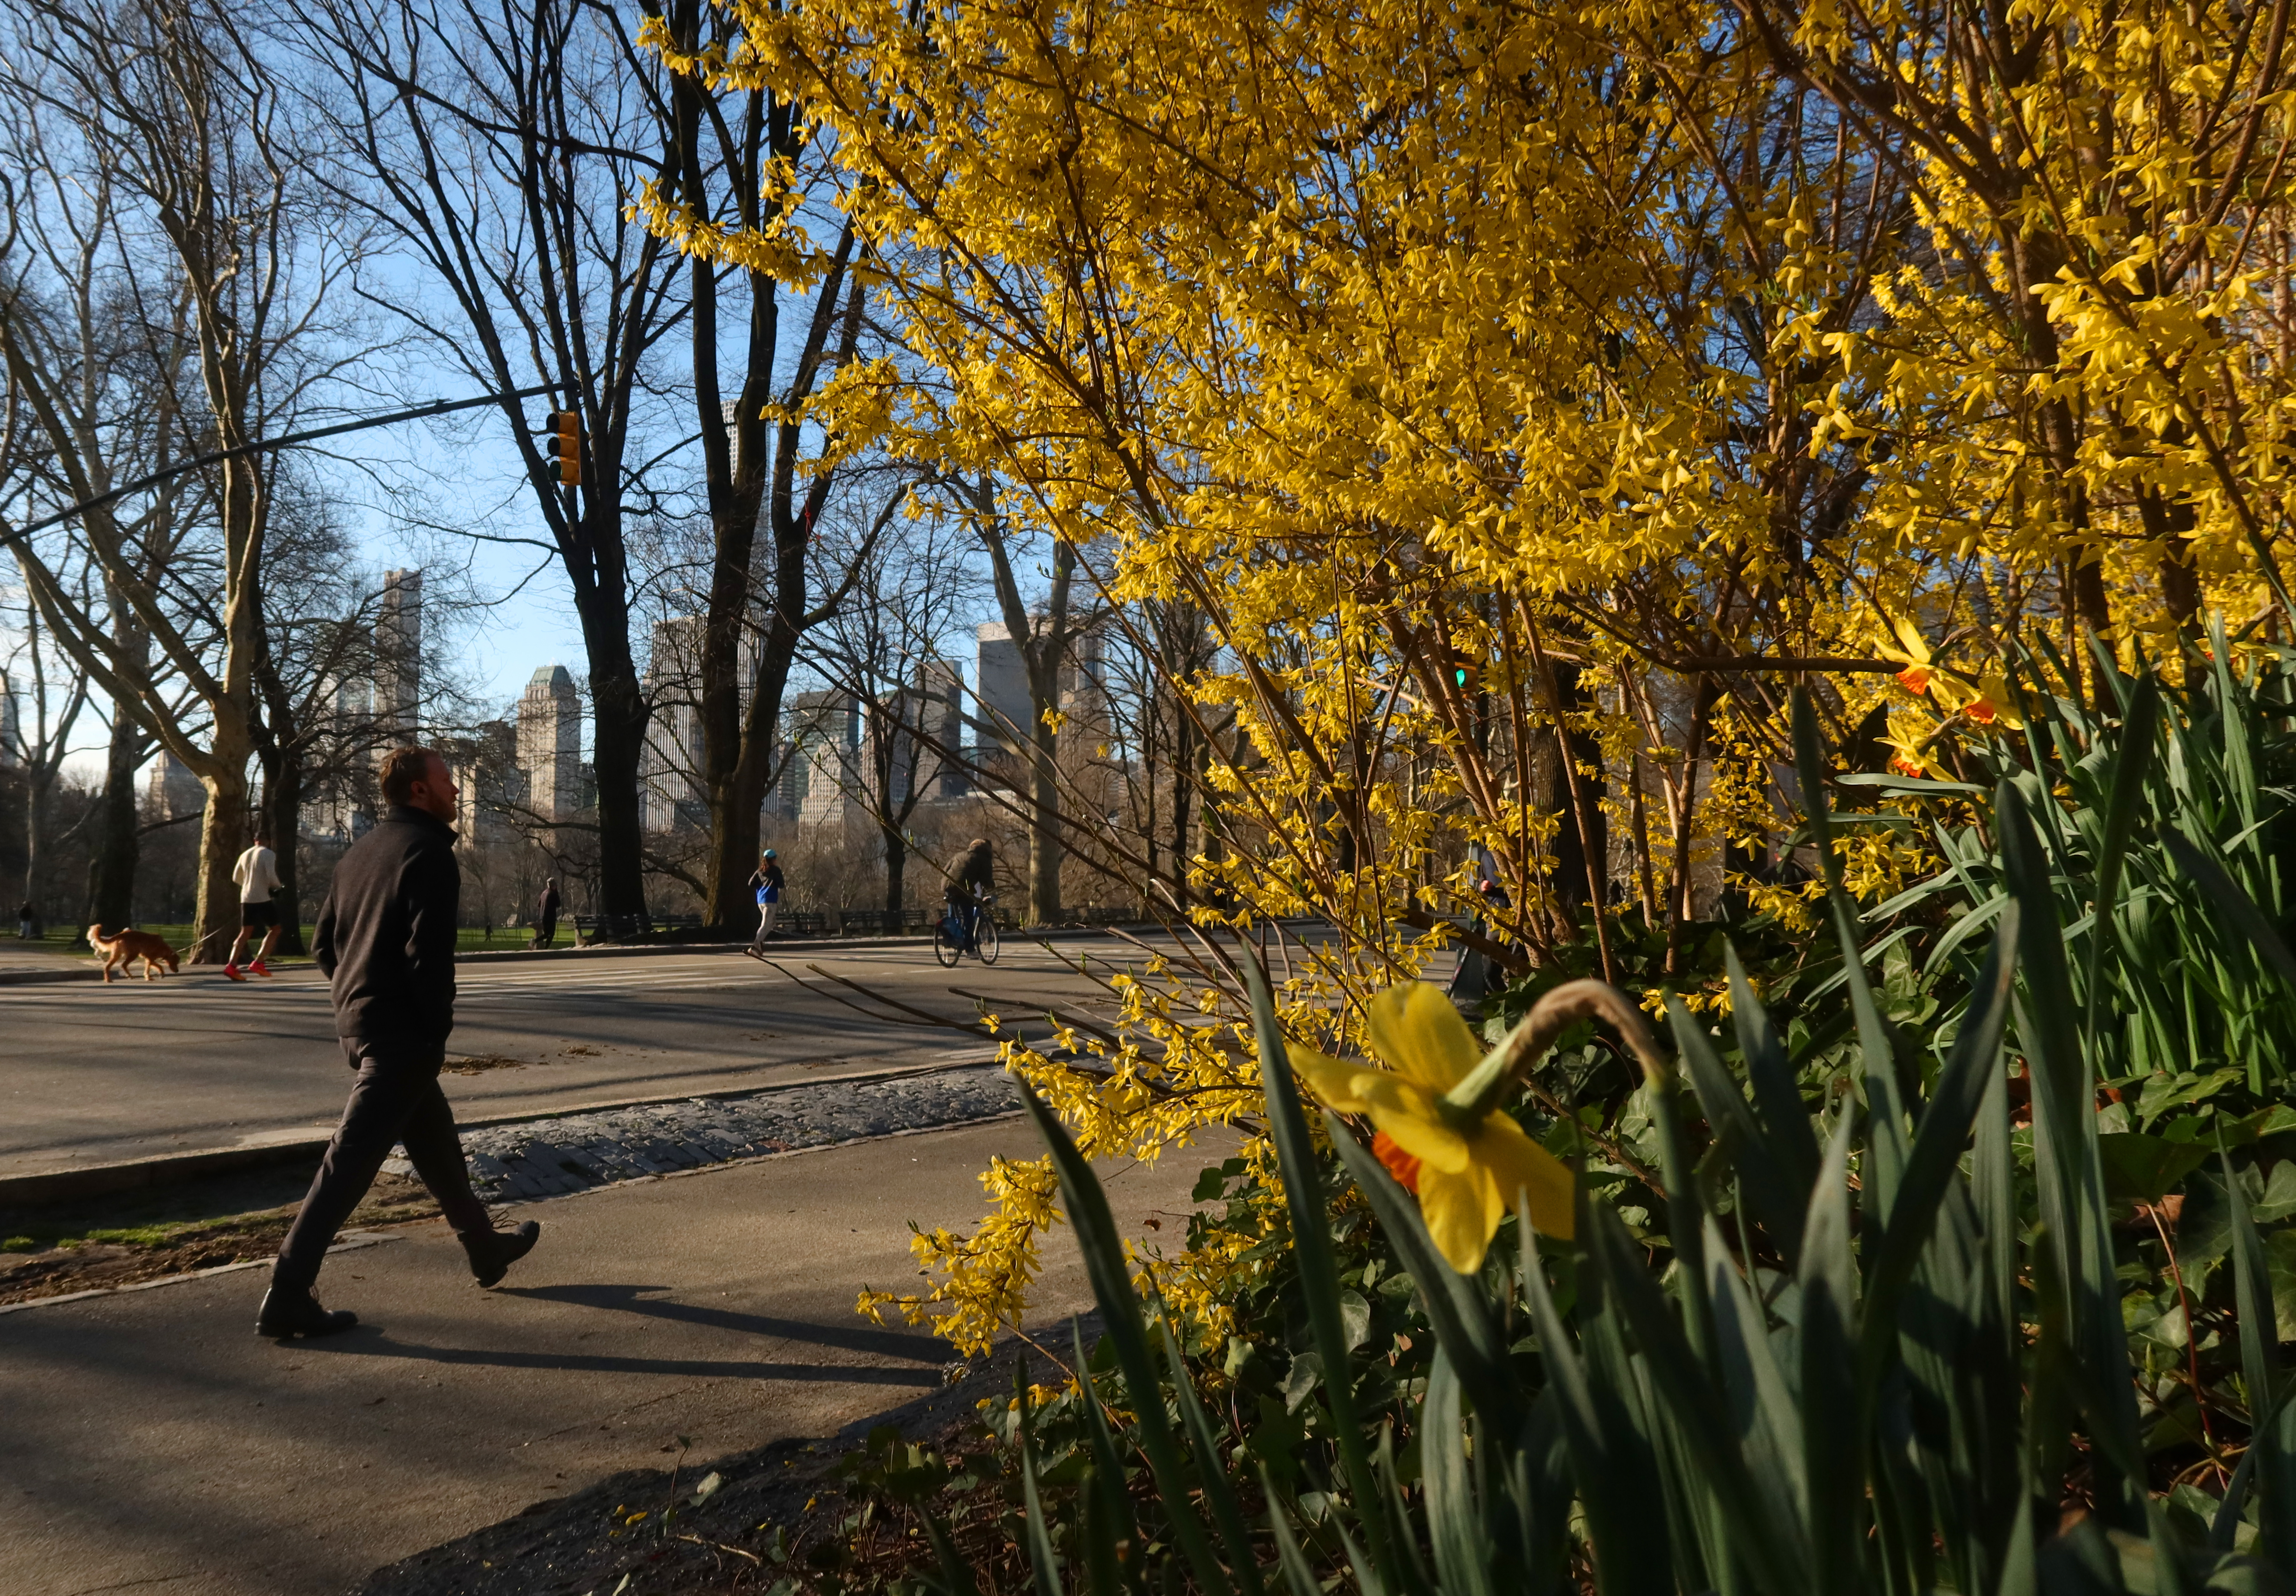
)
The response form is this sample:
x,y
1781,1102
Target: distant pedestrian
x,y
385,939
545,914
258,875
765,881
972,878
28,922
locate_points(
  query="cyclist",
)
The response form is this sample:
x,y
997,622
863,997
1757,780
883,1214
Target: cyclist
x,y
972,878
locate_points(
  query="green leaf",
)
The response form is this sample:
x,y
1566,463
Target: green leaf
x,y
2260,1336
1761,1403
1106,1268
1738,1133
1311,1247
1778,1095
1766,1542
2140,1168
1833,1433
1461,1543
1616,1475
2237,905
1044,1566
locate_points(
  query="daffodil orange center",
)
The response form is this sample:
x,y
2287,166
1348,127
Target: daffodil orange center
x,y
1399,1164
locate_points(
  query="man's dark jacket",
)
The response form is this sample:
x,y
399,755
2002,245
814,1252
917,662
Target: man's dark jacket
x,y
386,935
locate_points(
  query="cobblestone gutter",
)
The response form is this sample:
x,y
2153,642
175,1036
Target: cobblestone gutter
x,y
545,1157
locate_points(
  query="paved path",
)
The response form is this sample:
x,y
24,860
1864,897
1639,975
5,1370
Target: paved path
x,y
94,1074
154,1444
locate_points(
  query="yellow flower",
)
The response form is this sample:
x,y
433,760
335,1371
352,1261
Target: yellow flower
x,y
1467,1178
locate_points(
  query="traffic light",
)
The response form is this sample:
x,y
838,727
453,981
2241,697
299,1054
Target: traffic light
x,y
1466,673
562,443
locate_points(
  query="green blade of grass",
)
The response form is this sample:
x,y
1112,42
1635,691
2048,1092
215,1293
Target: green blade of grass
x,y
1760,1169
1617,1482
1219,1491
1936,1157
1777,1096
1311,1242
1461,1543
1112,1287
1761,1403
1044,1567
2260,1336
1833,1432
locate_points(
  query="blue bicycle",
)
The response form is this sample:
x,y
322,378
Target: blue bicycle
x,y
966,930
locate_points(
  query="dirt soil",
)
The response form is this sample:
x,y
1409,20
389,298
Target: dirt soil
x,y
123,1241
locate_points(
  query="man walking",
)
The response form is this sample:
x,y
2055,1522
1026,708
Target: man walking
x,y
258,875
545,915
765,881
386,940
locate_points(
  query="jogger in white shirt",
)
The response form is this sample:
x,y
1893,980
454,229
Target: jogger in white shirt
x,y
258,875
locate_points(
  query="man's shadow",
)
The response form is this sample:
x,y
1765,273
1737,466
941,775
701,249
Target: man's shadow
x,y
921,1353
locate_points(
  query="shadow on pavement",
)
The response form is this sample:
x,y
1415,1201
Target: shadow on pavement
x,y
628,1299
375,1342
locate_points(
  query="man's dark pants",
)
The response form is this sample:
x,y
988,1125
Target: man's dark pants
x,y
396,1098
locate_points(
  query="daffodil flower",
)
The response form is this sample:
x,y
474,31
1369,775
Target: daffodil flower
x,y
1467,1169
1909,744
1992,706
1986,703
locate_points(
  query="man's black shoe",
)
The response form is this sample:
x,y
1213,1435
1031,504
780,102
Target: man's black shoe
x,y
493,1254
293,1311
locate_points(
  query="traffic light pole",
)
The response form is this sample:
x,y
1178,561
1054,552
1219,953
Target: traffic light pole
x,y
263,445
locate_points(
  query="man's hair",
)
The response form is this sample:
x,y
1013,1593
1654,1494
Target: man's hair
x,y
401,769
981,842
263,836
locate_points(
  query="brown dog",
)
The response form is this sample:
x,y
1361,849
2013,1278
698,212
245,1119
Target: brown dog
x,y
129,946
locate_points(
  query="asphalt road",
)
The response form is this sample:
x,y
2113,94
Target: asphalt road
x,y
91,1073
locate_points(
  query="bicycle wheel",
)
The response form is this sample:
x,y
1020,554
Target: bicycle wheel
x,y
946,952
985,944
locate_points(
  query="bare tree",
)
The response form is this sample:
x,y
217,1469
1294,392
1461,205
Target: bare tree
x,y
1042,633
501,146
889,654
734,155
167,163
42,698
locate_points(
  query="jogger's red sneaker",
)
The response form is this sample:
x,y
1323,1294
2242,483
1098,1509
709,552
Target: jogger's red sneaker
x,y
230,972
257,968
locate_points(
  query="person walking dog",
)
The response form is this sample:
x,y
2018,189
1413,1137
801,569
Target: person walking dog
x,y
258,875
385,938
765,881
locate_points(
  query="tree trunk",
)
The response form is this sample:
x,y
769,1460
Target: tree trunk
x,y
223,838
618,711
1045,849
896,867
118,842
1582,842
282,806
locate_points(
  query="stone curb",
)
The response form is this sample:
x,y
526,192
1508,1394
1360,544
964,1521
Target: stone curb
x,y
176,1169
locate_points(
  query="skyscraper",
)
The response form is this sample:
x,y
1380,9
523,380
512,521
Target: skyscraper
x,y
550,744
673,741
398,655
